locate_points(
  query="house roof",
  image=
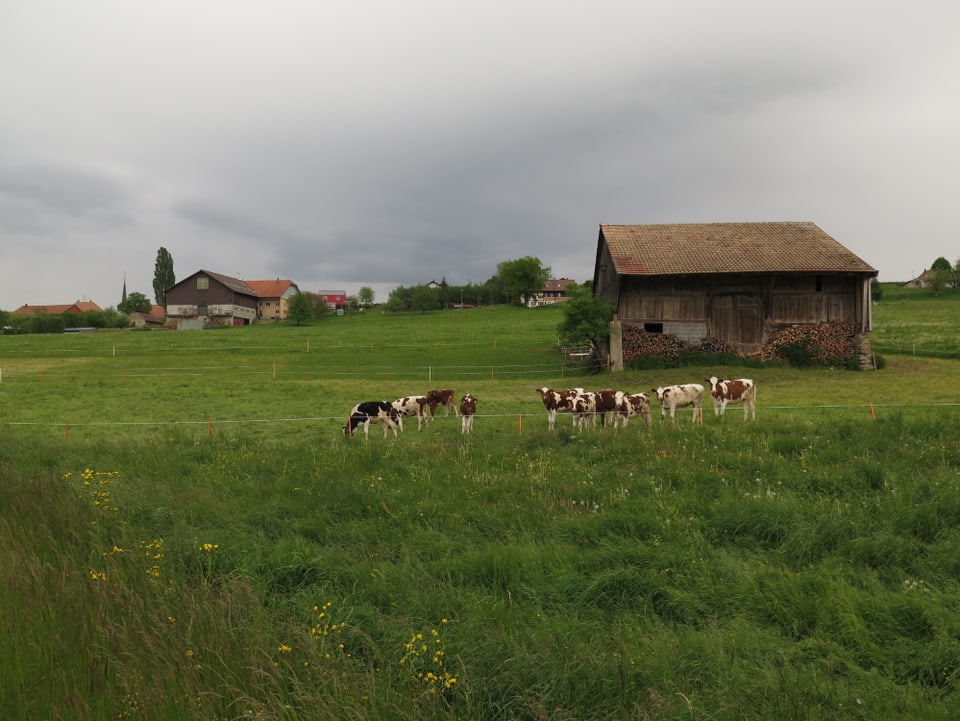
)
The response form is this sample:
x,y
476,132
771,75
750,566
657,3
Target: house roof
x,y
271,288
49,309
79,307
555,284
711,248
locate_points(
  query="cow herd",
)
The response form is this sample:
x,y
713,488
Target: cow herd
x,y
587,407
390,414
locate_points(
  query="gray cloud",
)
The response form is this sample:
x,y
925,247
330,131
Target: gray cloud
x,y
380,144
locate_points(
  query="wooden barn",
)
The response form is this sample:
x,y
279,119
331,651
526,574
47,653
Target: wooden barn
x,y
729,286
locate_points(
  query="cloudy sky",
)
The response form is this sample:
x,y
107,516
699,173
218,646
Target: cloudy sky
x,y
381,143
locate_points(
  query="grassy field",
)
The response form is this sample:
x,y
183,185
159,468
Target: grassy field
x,y
187,535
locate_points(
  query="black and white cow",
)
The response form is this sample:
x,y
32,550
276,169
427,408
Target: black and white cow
x,y
363,414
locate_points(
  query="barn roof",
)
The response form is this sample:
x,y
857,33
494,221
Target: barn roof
x,y
711,248
234,284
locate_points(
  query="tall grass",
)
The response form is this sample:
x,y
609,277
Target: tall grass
x,y
160,566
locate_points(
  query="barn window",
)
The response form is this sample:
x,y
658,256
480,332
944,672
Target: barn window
x,y
203,282
819,283
653,327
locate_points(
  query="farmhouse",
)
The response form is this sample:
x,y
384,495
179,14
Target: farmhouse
x,y
729,286
272,297
555,291
207,299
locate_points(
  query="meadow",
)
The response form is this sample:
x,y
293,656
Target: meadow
x,y
186,534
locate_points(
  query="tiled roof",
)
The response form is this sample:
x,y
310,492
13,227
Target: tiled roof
x,y
48,309
710,248
555,284
270,288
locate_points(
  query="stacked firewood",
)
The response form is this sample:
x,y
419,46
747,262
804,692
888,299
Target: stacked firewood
x,y
824,340
637,342
835,339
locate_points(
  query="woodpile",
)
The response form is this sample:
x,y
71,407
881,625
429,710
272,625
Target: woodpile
x,y
823,340
638,342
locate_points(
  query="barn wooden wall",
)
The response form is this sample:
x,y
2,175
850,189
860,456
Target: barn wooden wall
x,y
742,310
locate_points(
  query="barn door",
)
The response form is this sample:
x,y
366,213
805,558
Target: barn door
x,y
737,320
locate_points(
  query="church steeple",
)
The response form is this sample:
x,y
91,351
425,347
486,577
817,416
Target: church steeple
x,y
124,298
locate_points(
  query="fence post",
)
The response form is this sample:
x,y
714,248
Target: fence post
x,y
209,427
873,412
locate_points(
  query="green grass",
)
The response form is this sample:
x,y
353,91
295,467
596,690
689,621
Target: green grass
x,y
915,321
187,535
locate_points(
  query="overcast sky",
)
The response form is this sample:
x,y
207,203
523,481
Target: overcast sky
x,y
356,143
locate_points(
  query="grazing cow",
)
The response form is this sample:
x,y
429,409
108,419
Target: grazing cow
x,y
363,414
632,406
442,397
556,401
739,390
468,407
411,406
673,397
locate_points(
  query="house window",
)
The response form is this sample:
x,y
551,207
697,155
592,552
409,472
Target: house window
x,y
653,327
203,282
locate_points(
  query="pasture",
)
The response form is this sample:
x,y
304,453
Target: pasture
x,y
186,534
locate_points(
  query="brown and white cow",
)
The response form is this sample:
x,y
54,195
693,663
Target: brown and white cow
x,y
558,401
634,405
363,414
738,390
584,408
411,406
442,397
606,404
680,396
468,407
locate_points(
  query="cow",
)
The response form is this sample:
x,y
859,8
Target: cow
x,y
557,401
673,397
363,414
468,407
632,406
584,408
606,403
442,397
411,406
739,390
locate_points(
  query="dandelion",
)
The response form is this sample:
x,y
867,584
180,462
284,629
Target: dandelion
x,y
284,648
210,547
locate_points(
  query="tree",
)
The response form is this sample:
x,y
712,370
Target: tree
x,y
163,277
365,297
939,276
135,303
299,309
523,277
941,263
425,298
586,317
